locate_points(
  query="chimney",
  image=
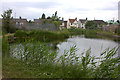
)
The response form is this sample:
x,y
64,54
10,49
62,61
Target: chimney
x,y
20,17
76,18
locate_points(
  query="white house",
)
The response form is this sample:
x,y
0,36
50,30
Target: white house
x,y
72,23
63,24
81,23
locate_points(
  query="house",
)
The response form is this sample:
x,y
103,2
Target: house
x,y
19,22
99,22
63,24
37,21
72,23
81,23
40,21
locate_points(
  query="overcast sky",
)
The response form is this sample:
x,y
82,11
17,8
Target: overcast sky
x,y
33,9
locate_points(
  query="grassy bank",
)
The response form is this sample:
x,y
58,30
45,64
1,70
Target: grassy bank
x,y
38,61
94,33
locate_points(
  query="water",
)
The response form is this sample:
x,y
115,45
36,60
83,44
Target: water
x,y
82,44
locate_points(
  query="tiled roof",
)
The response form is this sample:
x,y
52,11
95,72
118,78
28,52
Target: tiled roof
x,y
82,20
72,20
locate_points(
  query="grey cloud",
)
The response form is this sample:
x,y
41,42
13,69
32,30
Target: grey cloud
x,y
72,9
109,6
43,5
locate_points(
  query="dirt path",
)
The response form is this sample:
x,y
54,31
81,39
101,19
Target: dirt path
x,y
7,35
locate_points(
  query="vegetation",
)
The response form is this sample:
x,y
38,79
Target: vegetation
x,y
91,25
36,60
117,31
5,45
6,21
87,32
42,35
43,16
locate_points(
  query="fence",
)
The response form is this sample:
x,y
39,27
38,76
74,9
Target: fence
x,y
35,26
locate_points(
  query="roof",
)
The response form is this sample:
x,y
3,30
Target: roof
x,y
72,20
65,21
99,21
61,21
19,20
37,20
82,20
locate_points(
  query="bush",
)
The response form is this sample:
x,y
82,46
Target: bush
x,y
21,33
76,31
43,35
117,31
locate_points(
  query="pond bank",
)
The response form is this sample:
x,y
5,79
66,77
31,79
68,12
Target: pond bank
x,y
107,35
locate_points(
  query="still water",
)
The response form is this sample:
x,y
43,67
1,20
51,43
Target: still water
x,y
82,44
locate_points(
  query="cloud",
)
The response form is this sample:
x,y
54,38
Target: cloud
x,y
101,9
43,5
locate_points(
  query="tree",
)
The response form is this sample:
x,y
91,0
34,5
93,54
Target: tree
x,y
48,17
6,19
91,25
57,23
43,16
55,17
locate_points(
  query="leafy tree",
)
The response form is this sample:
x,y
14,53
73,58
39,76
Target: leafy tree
x,y
55,17
48,17
57,23
6,19
91,25
43,16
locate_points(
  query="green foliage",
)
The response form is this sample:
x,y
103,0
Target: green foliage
x,y
48,17
117,31
35,53
43,35
43,16
6,20
20,33
5,45
91,25
40,62
89,33
76,31
55,17
57,23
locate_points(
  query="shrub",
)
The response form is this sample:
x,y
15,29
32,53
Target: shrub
x,y
117,31
21,33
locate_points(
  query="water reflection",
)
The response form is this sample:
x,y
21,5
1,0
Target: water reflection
x,y
97,45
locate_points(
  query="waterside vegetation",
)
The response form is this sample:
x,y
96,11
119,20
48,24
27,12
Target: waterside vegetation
x,y
38,61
